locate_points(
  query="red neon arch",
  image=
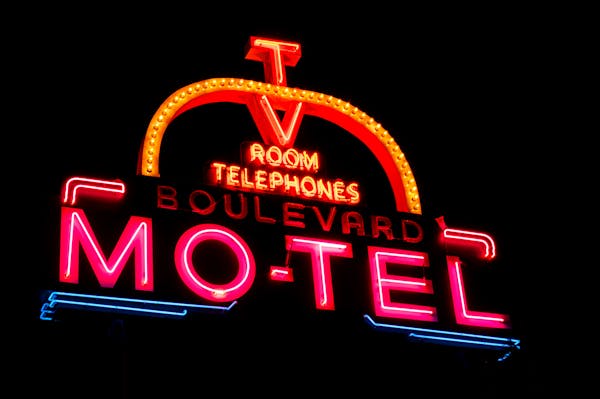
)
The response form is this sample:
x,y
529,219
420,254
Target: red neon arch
x,y
241,91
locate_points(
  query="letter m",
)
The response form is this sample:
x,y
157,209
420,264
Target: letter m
x,y
75,231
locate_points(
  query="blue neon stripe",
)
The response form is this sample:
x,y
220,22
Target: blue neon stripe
x,y
450,337
57,300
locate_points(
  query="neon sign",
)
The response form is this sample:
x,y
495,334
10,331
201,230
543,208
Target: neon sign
x,y
315,224
278,179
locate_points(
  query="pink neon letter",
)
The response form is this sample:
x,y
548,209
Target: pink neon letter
x,y
99,187
483,243
137,236
459,300
238,286
382,283
320,251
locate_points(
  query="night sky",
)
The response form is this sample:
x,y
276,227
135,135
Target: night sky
x,y
460,97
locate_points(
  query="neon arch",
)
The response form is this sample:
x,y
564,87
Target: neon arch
x,y
337,111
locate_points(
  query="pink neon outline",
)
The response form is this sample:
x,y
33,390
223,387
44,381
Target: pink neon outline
x,y
382,283
459,301
321,265
473,238
82,183
137,236
238,286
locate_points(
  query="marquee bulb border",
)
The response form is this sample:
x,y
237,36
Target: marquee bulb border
x,y
335,110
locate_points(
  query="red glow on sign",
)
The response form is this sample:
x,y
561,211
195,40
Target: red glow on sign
x,y
112,189
281,273
320,252
383,283
307,206
199,234
136,239
274,54
275,157
265,102
271,128
292,214
463,315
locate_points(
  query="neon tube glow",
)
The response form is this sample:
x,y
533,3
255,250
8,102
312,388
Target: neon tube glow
x,y
96,186
59,300
449,337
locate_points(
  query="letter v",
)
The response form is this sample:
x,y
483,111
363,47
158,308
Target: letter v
x,y
326,226
272,130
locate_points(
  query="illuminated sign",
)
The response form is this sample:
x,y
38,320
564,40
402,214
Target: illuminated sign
x,y
281,179
274,215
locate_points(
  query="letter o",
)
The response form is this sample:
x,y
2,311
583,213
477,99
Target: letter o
x,y
238,286
274,156
291,158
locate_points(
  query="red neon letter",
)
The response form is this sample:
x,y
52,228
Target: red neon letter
x,y
459,300
272,129
166,197
184,249
208,198
320,252
480,242
383,283
487,251
418,228
137,236
274,55
289,215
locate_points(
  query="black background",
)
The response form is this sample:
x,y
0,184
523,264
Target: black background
x,y
463,92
